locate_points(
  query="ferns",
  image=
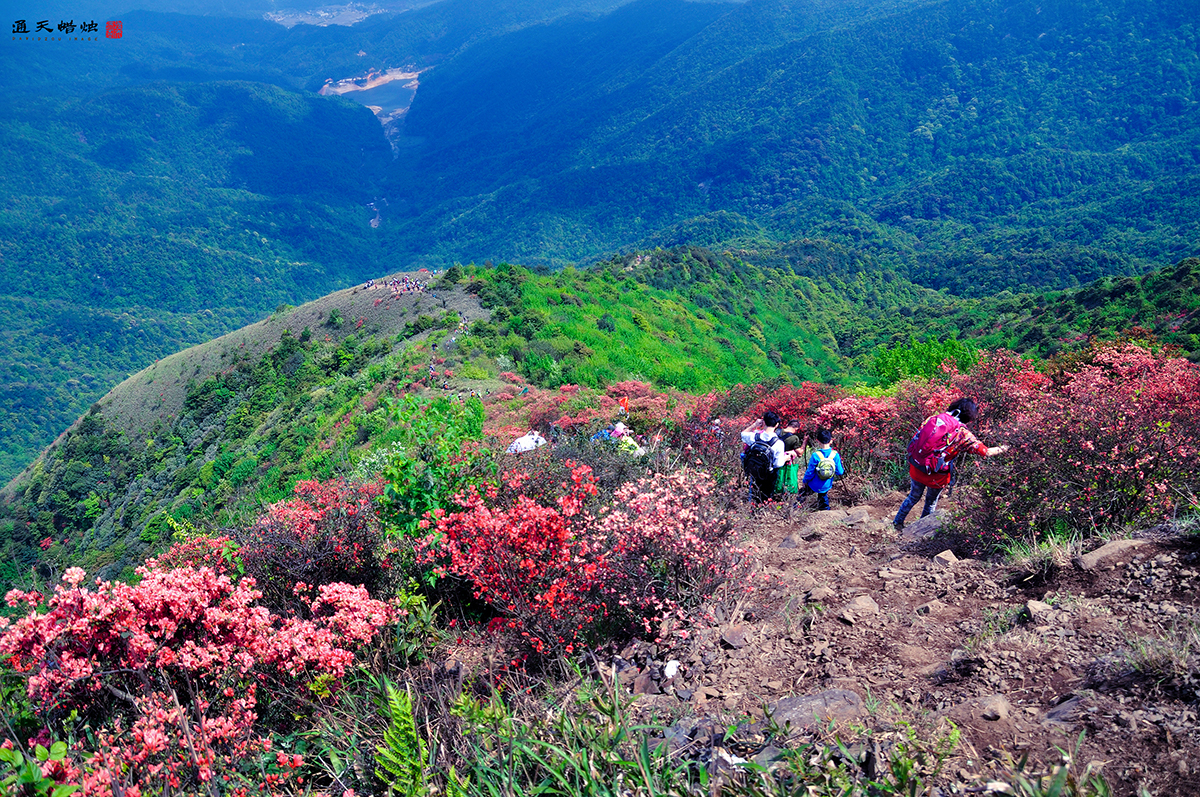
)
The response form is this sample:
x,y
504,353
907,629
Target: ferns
x,y
402,753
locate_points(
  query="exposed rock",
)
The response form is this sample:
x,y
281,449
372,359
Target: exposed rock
x,y
805,712
1108,551
921,529
945,559
857,515
768,756
736,636
1064,713
995,707
819,594
930,607
860,608
644,684
803,582
990,708
1039,611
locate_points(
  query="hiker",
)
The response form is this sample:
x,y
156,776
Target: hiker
x,y
824,464
789,481
932,451
604,435
625,441
763,457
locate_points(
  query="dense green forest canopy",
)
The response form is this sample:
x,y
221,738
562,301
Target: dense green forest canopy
x,y
186,180
154,217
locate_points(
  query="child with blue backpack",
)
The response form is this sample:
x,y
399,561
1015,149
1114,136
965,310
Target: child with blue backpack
x,y
824,464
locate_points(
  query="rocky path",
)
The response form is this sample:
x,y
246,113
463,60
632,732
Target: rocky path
x,y
845,622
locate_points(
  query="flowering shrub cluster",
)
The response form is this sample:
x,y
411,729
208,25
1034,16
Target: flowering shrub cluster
x,y
330,532
865,429
1110,438
169,674
571,408
794,401
1114,441
671,545
565,572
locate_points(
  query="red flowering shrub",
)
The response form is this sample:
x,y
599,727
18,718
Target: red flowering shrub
x,y
1005,385
561,573
794,401
734,402
669,544
1116,442
864,428
217,552
526,560
330,532
169,674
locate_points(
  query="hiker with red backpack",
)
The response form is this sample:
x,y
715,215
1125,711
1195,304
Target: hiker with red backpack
x,y
932,451
764,456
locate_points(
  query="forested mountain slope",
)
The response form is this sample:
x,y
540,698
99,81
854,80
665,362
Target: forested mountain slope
x,y
159,198
154,217
974,146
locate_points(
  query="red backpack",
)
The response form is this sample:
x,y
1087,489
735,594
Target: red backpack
x,y
926,451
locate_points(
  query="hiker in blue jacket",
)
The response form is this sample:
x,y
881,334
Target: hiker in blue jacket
x,y
823,465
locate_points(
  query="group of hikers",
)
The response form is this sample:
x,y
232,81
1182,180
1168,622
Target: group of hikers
x,y
772,459
400,285
618,435
773,452
772,455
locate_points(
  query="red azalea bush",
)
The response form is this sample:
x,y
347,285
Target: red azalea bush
x,y
865,430
1116,441
330,532
576,410
565,572
794,401
526,560
218,552
670,546
169,674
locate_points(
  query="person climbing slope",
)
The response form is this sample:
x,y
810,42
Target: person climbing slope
x,y
932,451
793,445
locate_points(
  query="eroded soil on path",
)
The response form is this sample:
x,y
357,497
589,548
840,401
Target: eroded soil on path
x,y
846,622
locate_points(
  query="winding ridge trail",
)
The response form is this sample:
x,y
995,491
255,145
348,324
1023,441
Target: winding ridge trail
x,y
859,628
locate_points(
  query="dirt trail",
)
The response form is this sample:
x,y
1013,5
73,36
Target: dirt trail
x,y
881,629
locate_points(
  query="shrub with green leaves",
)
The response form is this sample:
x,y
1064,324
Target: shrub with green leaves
x,y
442,455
